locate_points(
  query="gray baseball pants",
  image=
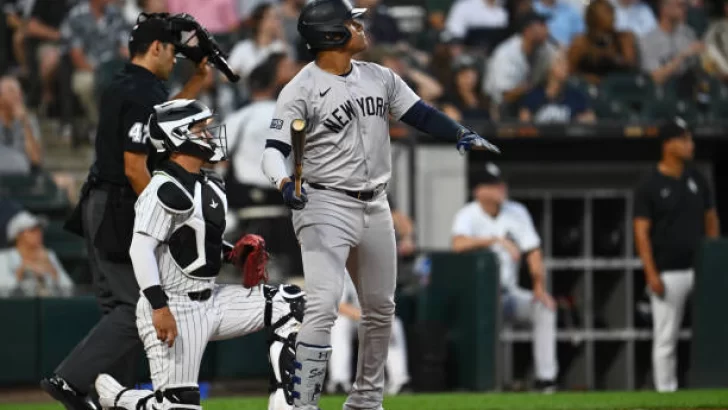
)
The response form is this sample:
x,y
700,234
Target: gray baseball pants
x,y
337,231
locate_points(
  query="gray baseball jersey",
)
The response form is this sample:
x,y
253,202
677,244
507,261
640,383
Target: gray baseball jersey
x,y
347,141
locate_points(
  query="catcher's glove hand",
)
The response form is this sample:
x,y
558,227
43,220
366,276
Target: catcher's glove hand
x,y
250,257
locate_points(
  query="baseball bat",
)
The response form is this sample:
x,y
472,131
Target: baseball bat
x,y
298,140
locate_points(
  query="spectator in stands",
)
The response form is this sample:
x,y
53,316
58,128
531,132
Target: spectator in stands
x,y
28,268
475,14
95,32
669,52
516,64
267,39
219,17
132,8
602,49
19,132
289,11
381,27
465,101
13,14
422,83
634,16
42,40
563,20
556,101
715,57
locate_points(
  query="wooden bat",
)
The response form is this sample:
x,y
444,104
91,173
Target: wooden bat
x,y
298,141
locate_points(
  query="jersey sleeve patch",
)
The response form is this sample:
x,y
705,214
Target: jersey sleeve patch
x,y
173,198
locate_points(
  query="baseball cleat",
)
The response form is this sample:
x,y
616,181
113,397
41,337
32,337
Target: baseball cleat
x,y
61,391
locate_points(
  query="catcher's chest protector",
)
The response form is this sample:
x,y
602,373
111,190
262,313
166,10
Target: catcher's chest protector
x,y
196,243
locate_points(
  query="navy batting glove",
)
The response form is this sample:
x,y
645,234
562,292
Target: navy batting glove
x,y
470,140
290,198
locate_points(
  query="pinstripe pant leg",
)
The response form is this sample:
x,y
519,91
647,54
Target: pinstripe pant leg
x,y
179,365
240,311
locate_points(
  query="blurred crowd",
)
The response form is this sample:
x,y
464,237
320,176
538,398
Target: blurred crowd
x,y
533,61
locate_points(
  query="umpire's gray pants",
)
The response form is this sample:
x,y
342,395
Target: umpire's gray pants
x,y
113,345
332,228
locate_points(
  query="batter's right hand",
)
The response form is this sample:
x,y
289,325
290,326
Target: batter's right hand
x,y
165,325
289,196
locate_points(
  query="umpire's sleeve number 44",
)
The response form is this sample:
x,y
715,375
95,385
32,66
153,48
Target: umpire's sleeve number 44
x,y
139,133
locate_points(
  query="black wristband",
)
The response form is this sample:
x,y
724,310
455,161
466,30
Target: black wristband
x,y
156,296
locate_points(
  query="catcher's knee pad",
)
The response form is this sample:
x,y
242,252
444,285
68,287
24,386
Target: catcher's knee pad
x,y
178,398
290,296
282,341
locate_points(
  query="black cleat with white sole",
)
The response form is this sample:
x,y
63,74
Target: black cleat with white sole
x,y
71,399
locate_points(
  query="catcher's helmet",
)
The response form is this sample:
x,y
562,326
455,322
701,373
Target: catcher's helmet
x,y
321,23
171,129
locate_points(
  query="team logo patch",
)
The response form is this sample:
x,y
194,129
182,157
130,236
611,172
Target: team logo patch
x,y
276,124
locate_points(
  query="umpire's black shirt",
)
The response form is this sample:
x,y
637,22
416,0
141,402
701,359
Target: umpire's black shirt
x,y
126,105
676,209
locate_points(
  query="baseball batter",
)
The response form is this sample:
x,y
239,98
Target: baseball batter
x,y
177,250
342,217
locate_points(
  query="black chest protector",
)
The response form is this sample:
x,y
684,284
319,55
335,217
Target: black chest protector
x,y
196,243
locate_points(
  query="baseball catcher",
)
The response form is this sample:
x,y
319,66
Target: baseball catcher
x,y
177,251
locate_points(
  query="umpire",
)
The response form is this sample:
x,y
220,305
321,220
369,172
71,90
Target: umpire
x,y
105,213
674,211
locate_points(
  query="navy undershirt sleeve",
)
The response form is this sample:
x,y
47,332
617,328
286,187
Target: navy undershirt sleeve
x,y
431,121
281,146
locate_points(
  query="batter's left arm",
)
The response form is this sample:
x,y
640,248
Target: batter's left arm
x,y
407,107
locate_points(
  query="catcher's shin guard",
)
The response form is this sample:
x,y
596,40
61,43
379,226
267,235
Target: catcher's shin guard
x,y
282,341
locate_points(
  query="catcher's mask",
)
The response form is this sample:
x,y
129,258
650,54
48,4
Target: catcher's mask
x,y
188,127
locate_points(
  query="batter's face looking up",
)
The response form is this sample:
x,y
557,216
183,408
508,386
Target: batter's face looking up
x,y
358,41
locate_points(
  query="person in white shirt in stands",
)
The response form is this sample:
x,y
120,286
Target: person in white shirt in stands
x,y
505,227
267,38
342,334
255,206
526,56
28,268
634,16
475,14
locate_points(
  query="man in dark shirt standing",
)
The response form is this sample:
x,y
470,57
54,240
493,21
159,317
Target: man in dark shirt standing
x,y
674,212
105,214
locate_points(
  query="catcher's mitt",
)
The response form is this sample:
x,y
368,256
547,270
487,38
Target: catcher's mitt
x,y
250,257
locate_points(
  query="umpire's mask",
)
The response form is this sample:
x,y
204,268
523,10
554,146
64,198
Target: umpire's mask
x,y
187,127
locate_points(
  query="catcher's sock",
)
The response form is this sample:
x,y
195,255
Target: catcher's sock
x,y
308,383
113,395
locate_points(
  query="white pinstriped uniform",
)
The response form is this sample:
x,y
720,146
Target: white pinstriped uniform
x,y
231,311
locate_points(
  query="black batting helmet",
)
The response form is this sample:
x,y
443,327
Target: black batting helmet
x,y
321,23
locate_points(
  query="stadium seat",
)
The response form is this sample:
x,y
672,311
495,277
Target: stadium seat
x,y
36,192
631,92
70,249
580,83
667,108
